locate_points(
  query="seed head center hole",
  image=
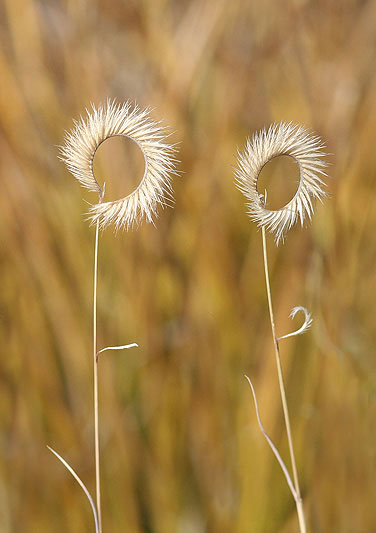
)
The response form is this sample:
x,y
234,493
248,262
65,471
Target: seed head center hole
x,y
280,178
118,162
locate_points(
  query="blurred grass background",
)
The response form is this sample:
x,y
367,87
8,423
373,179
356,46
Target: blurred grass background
x,y
181,450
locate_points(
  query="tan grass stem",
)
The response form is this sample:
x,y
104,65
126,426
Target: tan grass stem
x,y
95,382
298,498
155,189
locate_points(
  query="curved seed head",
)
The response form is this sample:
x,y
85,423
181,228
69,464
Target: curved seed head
x,y
307,150
126,120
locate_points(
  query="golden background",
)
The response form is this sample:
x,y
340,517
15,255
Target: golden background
x,y
181,449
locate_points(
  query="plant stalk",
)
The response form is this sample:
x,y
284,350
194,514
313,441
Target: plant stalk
x,y
298,498
95,380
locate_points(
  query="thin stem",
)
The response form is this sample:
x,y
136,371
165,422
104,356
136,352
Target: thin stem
x,y
82,485
298,498
95,362
271,443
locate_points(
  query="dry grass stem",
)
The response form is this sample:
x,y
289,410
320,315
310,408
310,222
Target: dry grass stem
x,y
306,150
78,153
298,499
95,384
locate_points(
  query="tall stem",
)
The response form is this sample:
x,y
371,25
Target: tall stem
x,y
95,363
298,499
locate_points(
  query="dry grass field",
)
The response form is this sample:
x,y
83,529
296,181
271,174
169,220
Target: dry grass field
x,y
181,449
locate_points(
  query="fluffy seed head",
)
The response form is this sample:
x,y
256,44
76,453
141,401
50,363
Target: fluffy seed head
x,y
129,121
306,150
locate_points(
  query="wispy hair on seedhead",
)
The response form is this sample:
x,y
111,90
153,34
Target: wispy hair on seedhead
x,y
307,150
127,120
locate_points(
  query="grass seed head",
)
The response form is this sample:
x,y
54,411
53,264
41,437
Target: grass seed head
x,y
154,189
307,150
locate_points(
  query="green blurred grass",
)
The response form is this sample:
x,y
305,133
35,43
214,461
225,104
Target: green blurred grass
x,y
181,448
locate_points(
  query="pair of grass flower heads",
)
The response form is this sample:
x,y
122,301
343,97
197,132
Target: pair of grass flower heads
x,y
155,189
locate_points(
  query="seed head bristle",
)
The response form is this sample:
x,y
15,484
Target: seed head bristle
x,y
307,150
127,120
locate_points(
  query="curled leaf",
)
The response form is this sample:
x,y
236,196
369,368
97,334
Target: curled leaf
x,y
306,324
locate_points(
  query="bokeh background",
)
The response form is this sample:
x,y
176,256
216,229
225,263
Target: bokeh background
x,y
181,449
